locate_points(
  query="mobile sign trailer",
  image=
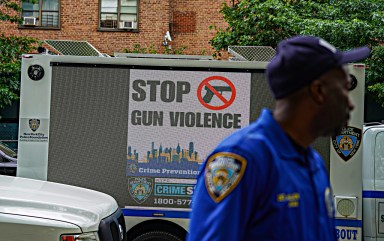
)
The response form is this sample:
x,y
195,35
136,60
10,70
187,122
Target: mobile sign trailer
x,y
138,129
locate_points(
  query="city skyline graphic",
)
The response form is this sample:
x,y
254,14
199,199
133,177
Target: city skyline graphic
x,y
169,162
165,154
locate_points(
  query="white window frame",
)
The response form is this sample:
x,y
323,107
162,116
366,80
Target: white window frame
x,y
42,20
119,20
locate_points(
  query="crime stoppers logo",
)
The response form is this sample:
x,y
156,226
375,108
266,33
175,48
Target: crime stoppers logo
x,y
347,143
140,188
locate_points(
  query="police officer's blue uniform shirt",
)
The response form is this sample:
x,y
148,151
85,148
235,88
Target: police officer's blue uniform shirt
x,y
257,185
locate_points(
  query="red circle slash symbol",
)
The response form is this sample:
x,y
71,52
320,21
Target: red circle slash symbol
x,y
216,90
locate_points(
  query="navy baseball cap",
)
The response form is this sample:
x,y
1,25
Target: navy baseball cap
x,y
302,59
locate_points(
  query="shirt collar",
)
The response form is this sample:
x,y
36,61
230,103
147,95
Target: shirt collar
x,y
287,149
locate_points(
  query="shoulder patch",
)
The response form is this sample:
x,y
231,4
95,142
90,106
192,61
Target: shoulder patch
x,y
223,172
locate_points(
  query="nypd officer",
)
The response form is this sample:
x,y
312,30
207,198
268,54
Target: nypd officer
x,y
265,182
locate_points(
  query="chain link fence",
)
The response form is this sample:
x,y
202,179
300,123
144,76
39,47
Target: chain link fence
x,y
9,135
251,53
75,48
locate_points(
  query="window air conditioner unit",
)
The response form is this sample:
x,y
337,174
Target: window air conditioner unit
x,y
29,21
128,25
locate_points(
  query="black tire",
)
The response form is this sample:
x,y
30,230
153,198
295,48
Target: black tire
x,y
157,236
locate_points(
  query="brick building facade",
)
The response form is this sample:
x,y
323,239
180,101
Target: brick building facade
x,y
187,21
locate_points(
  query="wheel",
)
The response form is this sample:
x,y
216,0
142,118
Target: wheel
x,y
157,236
157,231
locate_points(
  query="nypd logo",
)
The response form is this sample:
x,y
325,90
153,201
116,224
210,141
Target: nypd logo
x,y
33,130
140,188
132,168
34,124
347,143
222,174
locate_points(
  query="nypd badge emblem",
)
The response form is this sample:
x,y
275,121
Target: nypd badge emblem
x,y
140,188
34,124
347,143
132,168
223,172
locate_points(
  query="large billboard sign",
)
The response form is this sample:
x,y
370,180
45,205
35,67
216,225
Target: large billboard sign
x,y
175,119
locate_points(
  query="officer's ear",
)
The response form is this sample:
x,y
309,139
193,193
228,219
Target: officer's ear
x,y
317,91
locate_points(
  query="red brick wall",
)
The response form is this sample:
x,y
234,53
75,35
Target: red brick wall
x,y
183,22
205,13
188,22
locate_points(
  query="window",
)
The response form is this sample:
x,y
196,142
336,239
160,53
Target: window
x,y
42,13
118,14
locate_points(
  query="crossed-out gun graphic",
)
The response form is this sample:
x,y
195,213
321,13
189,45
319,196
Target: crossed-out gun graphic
x,y
209,94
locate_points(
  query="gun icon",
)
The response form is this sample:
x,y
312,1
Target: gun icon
x,y
209,94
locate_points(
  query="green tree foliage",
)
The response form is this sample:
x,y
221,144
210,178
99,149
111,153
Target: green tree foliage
x,y
375,74
344,23
9,5
11,49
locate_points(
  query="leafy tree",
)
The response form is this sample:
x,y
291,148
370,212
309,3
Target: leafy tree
x,y
344,23
11,48
7,6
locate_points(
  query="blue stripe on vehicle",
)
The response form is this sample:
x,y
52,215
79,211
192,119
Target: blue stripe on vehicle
x,y
183,214
373,194
155,213
349,223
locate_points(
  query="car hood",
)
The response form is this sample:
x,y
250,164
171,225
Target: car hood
x,y
82,207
